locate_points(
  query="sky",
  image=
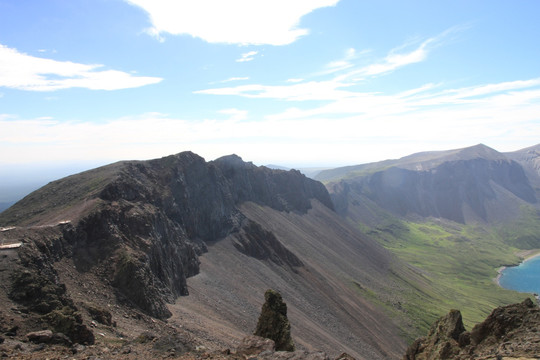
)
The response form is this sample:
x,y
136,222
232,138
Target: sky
x,y
297,83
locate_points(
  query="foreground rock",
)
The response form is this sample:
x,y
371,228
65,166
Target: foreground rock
x,y
508,332
273,322
254,346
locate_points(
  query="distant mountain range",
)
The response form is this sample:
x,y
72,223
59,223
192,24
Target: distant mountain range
x,y
464,185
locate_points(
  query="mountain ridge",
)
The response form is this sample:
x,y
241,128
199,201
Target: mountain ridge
x,y
143,232
418,161
460,185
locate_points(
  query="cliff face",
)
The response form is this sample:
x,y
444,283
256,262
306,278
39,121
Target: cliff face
x,y
470,185
148,222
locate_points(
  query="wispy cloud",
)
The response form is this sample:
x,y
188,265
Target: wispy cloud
x,y
26,72
346,62
300,91
396,60
234,22
247,56
46,50
411,52
344,73
232,79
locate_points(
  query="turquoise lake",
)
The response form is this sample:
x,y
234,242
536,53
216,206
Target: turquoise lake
x,y
524,278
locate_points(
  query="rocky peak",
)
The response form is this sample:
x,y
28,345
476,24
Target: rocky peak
x,y
508,332
448,327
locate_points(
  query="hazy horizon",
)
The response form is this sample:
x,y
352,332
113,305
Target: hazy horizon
x,y
18,180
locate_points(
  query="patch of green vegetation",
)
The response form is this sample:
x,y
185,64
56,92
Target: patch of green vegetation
x,y
524,233
456,266
368,294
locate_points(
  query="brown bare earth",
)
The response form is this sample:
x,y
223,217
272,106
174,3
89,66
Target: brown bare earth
x,y
327,311
172,257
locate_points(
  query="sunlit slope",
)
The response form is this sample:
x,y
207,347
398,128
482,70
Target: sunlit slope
x,y
456,215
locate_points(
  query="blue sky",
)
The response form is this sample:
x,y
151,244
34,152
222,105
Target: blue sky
x,y
297,83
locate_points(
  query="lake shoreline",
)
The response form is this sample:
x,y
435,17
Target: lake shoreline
x,y
525,255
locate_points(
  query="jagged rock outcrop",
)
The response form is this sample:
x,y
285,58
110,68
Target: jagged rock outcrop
x,y
508,332
35,284
273,322
262,244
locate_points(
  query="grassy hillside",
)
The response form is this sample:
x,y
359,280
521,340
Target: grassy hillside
x,y
459,263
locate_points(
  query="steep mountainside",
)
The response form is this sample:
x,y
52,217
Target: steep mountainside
x,y
456,215
529,159
465,185
125,240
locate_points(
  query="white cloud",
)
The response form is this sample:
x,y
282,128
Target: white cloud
x,y
26,72
349,129
300,91
254,22
247,56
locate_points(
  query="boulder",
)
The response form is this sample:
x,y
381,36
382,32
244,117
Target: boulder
x,y
39,337
102,316
254,345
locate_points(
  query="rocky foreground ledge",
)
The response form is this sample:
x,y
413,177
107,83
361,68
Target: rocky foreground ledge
x,y
509,332
42,346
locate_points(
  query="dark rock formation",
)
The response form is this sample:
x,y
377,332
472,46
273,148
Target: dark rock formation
x,y
37,287
442,340
69,322
142,225
102,316
37,292
509,331
261,244
273,322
